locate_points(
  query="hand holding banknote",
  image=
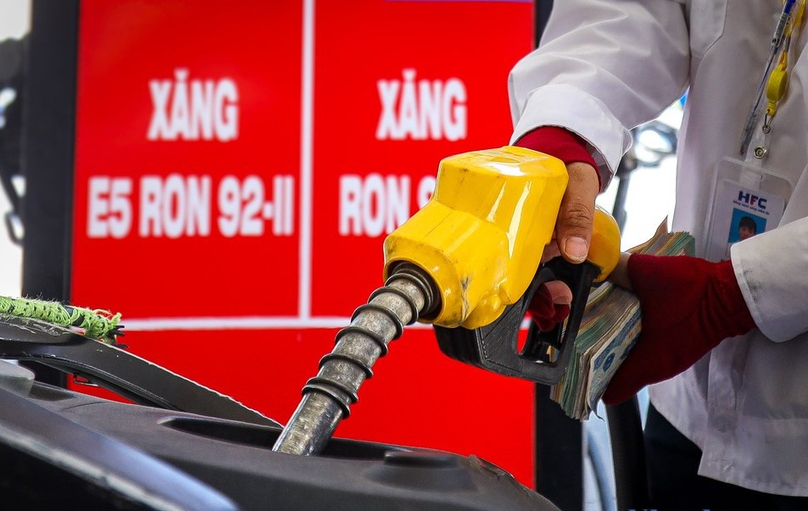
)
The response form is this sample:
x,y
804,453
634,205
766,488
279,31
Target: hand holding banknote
x,y
609,330
688,306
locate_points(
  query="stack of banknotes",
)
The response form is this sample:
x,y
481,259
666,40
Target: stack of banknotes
x,y
609,329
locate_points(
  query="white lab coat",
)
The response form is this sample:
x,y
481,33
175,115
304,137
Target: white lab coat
x,y
605,66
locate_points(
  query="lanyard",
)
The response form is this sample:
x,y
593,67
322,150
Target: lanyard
x,y
774,81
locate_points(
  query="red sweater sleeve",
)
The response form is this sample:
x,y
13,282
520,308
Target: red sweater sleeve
x,y
688,307
564,145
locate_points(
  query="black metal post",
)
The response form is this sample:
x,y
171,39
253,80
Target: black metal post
x,y
628,451
49,105
542,10
559,454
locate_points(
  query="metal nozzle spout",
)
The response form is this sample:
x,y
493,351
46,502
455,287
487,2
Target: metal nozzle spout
x,y
407,295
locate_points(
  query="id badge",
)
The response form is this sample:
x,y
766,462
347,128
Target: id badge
x,y
747,200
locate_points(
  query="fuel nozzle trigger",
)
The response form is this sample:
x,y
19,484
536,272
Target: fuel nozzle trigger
x,y
545,355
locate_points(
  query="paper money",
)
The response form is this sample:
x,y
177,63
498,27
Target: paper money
x,y
610,327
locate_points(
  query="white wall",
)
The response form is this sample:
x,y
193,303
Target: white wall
x,y
15,17
15,21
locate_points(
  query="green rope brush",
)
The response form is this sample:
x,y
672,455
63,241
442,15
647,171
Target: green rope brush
x,y
97,324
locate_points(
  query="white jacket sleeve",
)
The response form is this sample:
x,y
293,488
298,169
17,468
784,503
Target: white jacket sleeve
x,y
603,67
770,269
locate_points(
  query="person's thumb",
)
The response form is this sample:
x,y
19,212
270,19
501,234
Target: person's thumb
x,y
575,217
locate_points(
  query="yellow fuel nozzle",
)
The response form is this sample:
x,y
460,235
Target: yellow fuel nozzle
x,y
481,236
469,262
604,248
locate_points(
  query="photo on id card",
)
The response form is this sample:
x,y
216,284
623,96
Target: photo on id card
x,y
739,213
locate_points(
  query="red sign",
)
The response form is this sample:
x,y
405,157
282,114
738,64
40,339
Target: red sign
x,y
238,169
